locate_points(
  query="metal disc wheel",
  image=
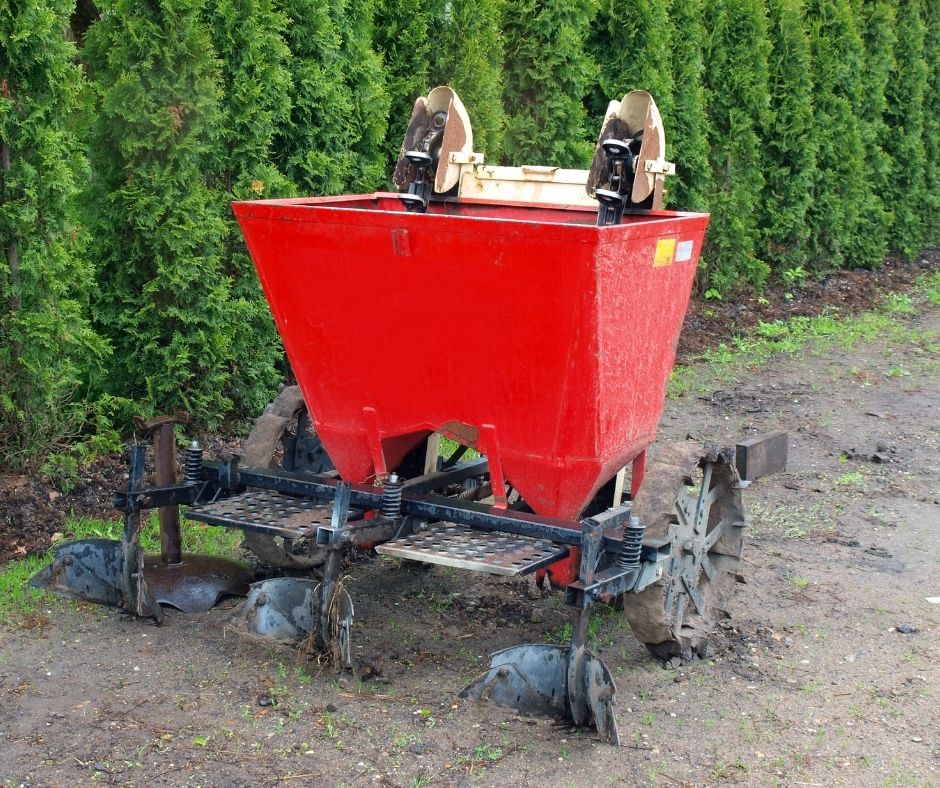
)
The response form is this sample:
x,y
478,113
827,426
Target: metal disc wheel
x,y
282,435
695,503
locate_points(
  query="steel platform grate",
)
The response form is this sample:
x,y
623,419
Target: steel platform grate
x,y
481,551
266,512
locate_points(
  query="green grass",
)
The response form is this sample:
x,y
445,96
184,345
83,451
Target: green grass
x,y
746,352
929,285
449,446
800,582
18,601
851,479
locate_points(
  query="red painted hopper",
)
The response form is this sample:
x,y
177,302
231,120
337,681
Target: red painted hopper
x,y
523,330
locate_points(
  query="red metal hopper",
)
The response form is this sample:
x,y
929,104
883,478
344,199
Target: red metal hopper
x,y
522,330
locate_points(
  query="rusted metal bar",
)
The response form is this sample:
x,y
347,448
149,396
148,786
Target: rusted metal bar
x,y
164,460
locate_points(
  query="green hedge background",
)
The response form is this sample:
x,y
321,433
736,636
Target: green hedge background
x,y
810,129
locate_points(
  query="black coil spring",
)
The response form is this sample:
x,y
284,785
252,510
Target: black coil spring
x,y
632,545
391,498
193,463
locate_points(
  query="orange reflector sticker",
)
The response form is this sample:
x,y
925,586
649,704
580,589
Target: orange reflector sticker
x,y
665,249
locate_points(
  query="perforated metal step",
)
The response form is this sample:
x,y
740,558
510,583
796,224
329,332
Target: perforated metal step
x,y
481,551
266,512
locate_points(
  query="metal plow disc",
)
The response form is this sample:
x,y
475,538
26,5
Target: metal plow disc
x,y
196,584
542,680
288,610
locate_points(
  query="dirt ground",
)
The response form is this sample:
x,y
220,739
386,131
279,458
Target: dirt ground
x,y
828,674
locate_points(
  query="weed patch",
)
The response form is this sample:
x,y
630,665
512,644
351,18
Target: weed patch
x,y
818,333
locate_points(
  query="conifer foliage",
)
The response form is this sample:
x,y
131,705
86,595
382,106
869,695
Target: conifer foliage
x,y
468,56
365,80
315,144
548,73
789,144
877,20
931,208
809,129
736,77
906,94
46,343
686,122
157,231
630,44
839,193
256,98
335,138
403,39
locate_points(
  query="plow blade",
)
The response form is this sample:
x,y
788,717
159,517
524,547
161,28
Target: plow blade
x,y
290,610
545,681
88,569
93,570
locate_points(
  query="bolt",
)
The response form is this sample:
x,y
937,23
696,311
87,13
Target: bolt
x,y
687,546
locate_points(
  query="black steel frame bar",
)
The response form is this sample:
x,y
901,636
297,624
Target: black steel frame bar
x,y
438,507
416,501
438,479
155,497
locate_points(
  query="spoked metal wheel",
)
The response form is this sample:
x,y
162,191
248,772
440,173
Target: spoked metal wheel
x,y
283,433
695,503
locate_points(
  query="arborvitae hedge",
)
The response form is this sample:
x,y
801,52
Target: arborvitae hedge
x,y
931,208
46,344
402,37
198,102
547,74
369,99
736,78
630,43
314,145
879,36
467,54
789,145
839,193
686,123
157,231
906,93
256,100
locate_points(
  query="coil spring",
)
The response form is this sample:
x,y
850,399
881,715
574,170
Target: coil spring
x,y
391,498
476,493
193,463
631,546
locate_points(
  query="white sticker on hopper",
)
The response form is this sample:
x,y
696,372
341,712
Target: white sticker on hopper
x,y
683,251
